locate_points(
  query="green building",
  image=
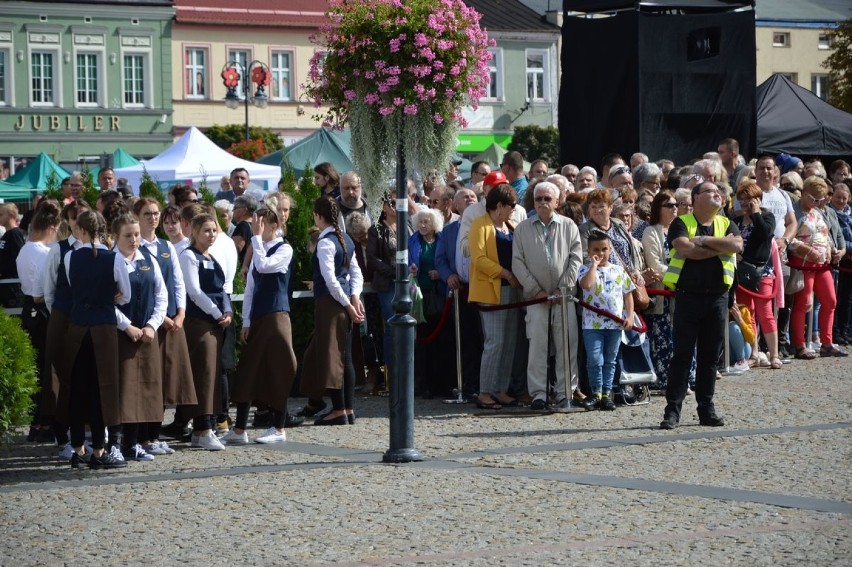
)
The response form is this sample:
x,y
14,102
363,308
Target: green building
x,y
80,79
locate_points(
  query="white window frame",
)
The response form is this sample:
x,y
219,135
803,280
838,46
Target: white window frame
x,y
146,78
6,78
816,88
56,87
234,54
277,73
495,72
544,71
100,79
780,39
824,41
192,68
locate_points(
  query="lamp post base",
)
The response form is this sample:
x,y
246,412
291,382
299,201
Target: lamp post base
x,y
402,456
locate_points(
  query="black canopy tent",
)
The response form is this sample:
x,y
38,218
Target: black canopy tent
x,y
792,119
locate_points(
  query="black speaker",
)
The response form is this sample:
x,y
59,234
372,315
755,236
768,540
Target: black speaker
x,y
670,85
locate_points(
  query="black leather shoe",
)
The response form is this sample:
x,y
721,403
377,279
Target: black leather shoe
x,y
538,405
606,404
310,411
592,402
669,422
339,420
711,420
175,430
294,420
350,417
79,461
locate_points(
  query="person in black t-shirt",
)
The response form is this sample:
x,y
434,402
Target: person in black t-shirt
x,y
10,244
704,243
244,208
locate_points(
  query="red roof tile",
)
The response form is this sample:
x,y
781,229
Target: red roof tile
x,y
289,13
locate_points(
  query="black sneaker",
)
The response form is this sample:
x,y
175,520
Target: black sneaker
x,y
105,461
175,430
538,405
294,420
711,420
592,402
79,461
606,404
669,422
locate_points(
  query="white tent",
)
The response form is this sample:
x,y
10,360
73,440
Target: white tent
x,y
194,156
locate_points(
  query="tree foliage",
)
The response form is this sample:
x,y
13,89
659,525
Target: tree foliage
x,y
839,65
230,134
535,142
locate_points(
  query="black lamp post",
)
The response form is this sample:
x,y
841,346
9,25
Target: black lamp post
x,y
254,73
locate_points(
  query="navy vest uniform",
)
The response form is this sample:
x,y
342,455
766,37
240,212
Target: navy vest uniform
x,y
341,267
270,290
164,259
142,284
62,294
211,279
92,287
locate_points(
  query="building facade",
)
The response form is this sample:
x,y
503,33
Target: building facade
x,y
79,80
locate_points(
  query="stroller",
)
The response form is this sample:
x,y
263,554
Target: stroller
x,y
634,371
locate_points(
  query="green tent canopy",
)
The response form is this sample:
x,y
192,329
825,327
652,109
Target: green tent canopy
x,y
120,158
35,175
9,192
324,145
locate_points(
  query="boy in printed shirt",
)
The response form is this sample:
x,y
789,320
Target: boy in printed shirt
x,y
605,286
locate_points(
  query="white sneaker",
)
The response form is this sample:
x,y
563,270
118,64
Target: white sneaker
x,y
272,435
234,438
739,368
137,453
209,442
67,452
159,448
115,453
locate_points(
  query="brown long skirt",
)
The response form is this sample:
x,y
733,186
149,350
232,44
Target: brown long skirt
x,y
204,341
105,342
54,349
178,387
140,379
267,364
322,365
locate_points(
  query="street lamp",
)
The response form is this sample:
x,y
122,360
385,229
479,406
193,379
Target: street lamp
x,y
259,74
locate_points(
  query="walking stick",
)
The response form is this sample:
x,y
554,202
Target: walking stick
x,y
459,390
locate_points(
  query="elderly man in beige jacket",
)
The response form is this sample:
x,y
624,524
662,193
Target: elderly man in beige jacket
x,y
546,256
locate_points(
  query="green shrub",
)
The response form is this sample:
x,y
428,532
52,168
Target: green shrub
x,y
18,379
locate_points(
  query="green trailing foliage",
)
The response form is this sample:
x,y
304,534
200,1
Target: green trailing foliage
x,y
18,377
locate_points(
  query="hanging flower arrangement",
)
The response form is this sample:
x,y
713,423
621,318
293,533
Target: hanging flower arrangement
x,y
398,72
231,77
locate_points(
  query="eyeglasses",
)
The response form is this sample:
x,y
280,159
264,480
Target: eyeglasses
x,y
625,216
685,205
710,191
814,199
671,205
543,199
788,186
151,214
694,177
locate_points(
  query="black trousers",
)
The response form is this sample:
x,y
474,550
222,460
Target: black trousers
x,y
698,326
470,329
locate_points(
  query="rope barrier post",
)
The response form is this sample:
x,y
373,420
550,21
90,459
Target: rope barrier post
x,y
459,393
566,347
401,398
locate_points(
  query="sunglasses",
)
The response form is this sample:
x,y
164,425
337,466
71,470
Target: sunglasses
x,y
543,199
670,205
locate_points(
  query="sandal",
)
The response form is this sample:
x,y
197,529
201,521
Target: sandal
x,y
753,362
492,405
831,350
804,354
776,363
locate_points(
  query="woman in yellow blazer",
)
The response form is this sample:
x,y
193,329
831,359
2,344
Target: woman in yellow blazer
x,y
492,282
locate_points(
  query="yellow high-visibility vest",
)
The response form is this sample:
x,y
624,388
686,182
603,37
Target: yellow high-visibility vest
x,y
720,227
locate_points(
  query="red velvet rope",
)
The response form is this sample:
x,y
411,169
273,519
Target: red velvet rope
x,y
664,292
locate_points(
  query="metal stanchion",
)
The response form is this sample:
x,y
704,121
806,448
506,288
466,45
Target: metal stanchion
x,y
459,391
565,297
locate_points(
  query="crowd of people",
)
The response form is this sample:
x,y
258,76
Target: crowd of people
x,y
127,324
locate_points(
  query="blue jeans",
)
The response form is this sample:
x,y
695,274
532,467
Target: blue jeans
x,y
740,350
601,354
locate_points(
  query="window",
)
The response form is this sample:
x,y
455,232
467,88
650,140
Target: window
x,y
820,86
495,73
133,75
792,77
43,88
825,41
281,74
537,71
4,89
195,73
243,57
87,79
781,39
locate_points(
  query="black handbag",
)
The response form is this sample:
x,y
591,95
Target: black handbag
x,y
433,304
748,276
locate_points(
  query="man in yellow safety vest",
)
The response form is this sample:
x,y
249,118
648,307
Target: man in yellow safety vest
x,y
701,269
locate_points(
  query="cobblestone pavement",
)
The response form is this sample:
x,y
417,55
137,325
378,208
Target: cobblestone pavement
x,y
772,487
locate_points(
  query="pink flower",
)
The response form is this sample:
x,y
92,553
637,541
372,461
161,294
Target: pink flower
x,y
372,98
394,45
410,109
438,118
454,70
450,93
439,77
369,75
420,40
398,101
350,94
386,110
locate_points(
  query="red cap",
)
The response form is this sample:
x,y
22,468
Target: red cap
x,y
494,178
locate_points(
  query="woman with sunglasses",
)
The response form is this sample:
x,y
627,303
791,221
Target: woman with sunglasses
x,y
813,247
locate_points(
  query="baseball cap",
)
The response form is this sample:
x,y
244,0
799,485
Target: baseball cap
x,y
495,178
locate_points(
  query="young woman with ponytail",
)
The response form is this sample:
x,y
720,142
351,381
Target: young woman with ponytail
x,y
98,280
337,285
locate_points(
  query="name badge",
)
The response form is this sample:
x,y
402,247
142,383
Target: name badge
x,y
207,264
165,255
144,267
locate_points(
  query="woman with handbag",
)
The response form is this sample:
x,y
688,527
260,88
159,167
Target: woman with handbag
x,y
422,246
813,249
755,273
